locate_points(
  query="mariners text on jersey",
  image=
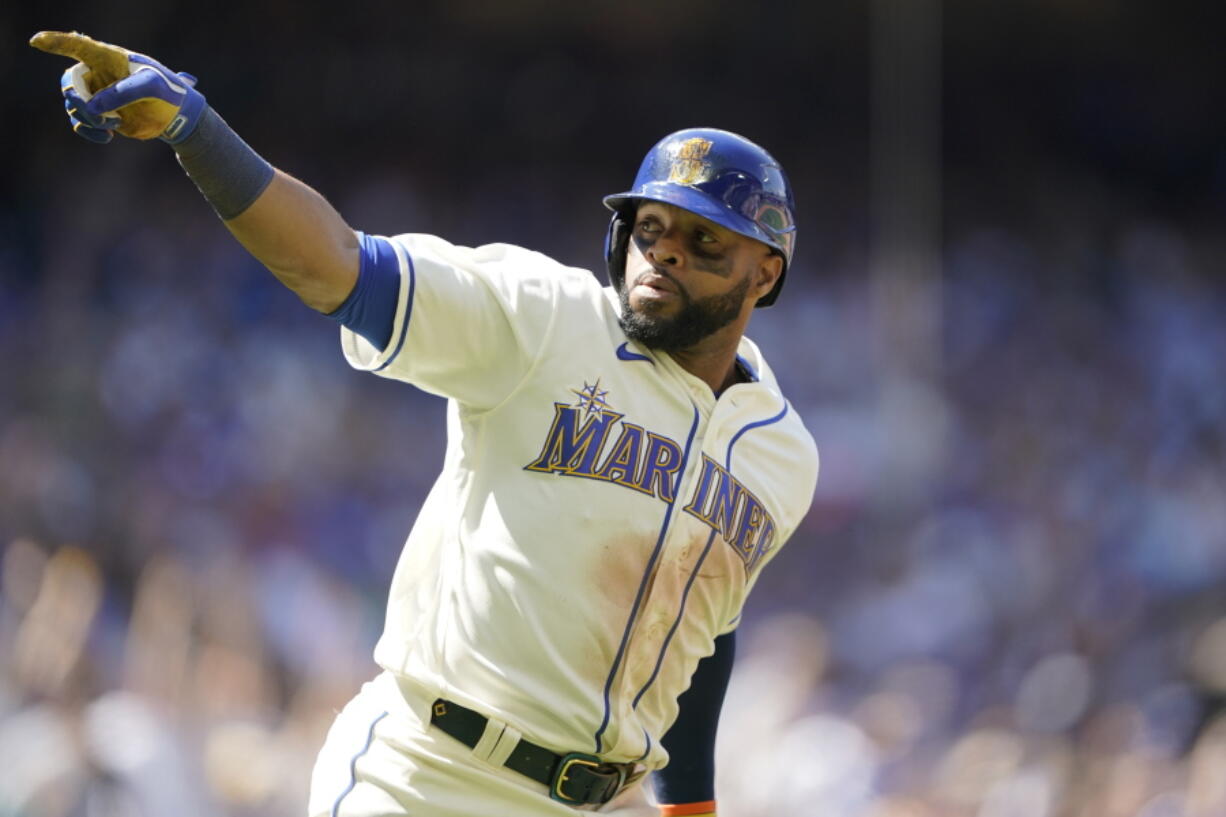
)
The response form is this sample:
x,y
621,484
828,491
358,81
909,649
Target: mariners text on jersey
x,y
580,443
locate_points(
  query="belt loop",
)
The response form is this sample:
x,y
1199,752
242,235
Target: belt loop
x,y
489,740
507,742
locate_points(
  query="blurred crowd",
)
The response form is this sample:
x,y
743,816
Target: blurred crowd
x,y
1043,633
1008,599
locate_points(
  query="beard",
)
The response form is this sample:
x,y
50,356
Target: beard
x,y
697,319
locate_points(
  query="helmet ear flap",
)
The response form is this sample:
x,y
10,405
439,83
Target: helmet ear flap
x,y
616,242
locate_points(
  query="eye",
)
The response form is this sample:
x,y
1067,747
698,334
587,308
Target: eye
x,y
648,225
705,237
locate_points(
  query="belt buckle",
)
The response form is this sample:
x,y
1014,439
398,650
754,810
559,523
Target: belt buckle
x,y
562,775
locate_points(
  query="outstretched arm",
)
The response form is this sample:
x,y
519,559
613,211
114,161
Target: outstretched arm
x,y
284,223
302,240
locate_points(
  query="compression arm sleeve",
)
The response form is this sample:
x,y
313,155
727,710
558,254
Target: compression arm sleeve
x,y
689,776
370,309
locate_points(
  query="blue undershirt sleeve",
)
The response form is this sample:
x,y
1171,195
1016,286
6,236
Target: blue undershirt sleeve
x,y
689,776
370,309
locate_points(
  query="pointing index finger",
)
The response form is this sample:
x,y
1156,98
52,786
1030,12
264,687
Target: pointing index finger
x,y
108,62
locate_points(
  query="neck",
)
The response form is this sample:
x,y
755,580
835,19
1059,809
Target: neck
x,y
712,361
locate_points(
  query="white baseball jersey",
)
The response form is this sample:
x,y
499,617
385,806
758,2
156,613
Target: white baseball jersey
x,y
600,516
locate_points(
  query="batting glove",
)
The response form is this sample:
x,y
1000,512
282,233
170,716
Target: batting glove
x,y
114,90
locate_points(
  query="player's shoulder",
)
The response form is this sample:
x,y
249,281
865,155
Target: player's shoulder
x,y
528,285
501,260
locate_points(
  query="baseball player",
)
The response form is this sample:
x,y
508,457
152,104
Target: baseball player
x,y
620,465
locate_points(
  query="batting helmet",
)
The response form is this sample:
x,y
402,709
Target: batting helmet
x,y
718,175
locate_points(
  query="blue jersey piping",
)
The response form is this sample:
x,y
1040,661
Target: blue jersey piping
x,y
638,599
759,424
353,765
710,540
676,622
408,310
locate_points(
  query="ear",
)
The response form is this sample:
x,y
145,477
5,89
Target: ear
x,y
770,267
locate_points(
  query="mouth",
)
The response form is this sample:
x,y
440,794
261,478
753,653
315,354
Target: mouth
x,y
656,283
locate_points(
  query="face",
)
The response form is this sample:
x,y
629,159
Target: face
x,y
687,278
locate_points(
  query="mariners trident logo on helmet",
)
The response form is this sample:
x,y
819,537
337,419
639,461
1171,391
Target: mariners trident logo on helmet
x,y
690,165
720,176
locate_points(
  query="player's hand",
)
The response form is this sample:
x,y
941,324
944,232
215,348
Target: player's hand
x,y
114,90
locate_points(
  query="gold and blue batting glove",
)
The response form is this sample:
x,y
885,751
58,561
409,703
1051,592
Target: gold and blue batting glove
x,y
113,90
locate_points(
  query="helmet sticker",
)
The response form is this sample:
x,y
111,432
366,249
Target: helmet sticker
x,y
774,219
690,164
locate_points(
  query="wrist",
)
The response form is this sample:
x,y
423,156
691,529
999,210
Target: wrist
x,y
187,120
208,129
228,172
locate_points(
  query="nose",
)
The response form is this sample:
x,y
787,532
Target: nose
x,y
666,250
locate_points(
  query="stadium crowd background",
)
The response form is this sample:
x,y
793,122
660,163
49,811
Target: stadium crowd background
x,y
1009,599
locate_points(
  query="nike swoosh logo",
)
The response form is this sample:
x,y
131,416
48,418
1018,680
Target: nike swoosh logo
x,y
625,354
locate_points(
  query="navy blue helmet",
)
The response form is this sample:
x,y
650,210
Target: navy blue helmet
x,y
723,177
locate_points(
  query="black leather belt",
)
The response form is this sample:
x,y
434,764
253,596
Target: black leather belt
x,y
571,778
